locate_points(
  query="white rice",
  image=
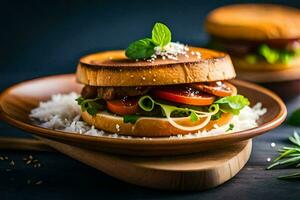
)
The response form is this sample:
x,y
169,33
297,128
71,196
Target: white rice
x,y
61,112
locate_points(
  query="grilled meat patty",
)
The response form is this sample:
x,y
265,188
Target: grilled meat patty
x,y
109,93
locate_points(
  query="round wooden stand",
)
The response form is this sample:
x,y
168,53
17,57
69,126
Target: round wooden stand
x,y
198,171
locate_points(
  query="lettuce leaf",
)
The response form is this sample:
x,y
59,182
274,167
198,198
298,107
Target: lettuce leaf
x,y
275,55
232,104
89,105
271,55
130,118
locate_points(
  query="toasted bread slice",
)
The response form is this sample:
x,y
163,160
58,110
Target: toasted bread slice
x,y
147,126
113,68
254,22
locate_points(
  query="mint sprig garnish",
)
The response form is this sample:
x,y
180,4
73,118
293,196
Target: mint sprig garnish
x,y
144,48
161,35
140,49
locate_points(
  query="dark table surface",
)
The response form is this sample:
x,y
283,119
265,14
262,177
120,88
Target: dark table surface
x,y
40,38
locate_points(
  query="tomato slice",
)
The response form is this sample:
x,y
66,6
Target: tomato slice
x,y
218,88
123,106
184,95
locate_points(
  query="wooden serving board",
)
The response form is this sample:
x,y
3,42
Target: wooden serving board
x,y
198,171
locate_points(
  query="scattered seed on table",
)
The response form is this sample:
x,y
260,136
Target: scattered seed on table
x,y
28,162
1,158
39,182
273,144
12,163
5,157
28,181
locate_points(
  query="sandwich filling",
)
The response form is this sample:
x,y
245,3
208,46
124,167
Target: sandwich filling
x,y
272,51
200,102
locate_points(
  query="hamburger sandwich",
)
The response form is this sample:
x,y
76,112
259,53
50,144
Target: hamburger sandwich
x,y
158,88
258,37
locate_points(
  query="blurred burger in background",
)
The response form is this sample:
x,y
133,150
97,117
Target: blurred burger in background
x,y
263,41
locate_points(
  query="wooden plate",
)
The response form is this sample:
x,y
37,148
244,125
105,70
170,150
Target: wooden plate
x,y
289,74
17,101
286,83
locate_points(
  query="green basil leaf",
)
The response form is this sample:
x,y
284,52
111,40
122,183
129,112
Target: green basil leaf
x,y
130,118
93,108
79,100
140,49
294,119
161,35
89,105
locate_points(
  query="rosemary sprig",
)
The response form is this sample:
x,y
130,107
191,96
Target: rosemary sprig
x,y
289,156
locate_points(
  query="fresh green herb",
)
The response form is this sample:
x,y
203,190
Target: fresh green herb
x,y
232,104
230,128
217,116
89,105
294,119
193,116
289,156
130,118
290,176
144,48
161,35
140,49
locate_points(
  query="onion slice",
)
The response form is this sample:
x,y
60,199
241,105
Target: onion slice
x,y
188,128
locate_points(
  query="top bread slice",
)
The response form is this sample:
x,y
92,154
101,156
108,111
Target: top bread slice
x,y
113,68
254,22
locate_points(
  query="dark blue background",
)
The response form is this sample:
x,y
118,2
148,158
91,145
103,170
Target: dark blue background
x,y
40,38
48,37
